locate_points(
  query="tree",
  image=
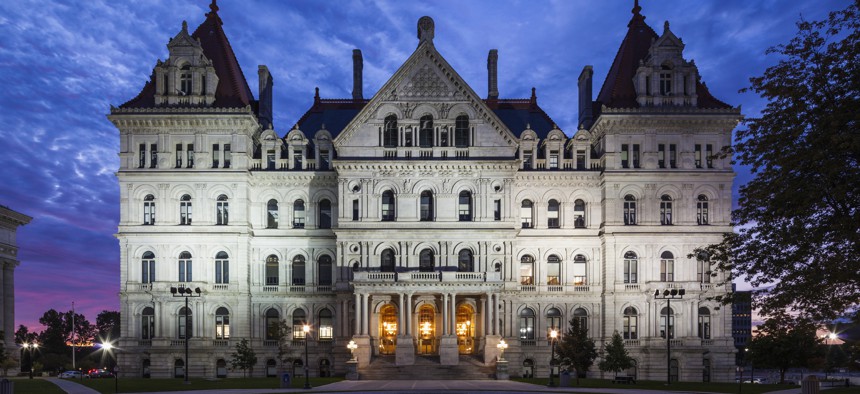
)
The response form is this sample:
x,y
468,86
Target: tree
x,y
784,342
244,358
282,332
108,325
798,218
616,359
576,350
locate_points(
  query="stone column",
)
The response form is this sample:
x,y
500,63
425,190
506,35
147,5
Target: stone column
x,y
445,314
401,317
365,315
405,351
357,314
409,314
448,351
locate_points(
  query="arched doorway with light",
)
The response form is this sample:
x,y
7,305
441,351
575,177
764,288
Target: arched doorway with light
x,y
426,330
387,329
465,329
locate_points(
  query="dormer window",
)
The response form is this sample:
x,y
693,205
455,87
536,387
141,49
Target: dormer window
x,y
425,136
185,80
665,81
389,133
461,131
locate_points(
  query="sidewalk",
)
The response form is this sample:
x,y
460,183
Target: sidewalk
x,y
71,386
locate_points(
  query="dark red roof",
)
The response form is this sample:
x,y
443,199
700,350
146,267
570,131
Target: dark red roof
x,y
618,90
232,90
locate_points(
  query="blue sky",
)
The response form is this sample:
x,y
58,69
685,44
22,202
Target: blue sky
x,y
63,63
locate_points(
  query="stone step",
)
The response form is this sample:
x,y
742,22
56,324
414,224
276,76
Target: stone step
x,y
426,368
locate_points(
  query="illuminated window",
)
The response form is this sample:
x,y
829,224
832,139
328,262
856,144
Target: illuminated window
x,y
527,214
222,323
326,324
552,220
527,264
527,324
553,269
579,270
299,321
553,321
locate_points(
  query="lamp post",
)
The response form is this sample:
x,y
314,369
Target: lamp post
x,y
827,339
186,292
552,336
740,369
307,329
30,347
108,347
669,295
352,346
502,346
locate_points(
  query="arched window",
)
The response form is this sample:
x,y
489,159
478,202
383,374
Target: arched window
x,y
185,210
222,210
222,323
149,210
553,321
185,80
425,136
667,314
702,210
631,267
325,271
178,369
389,133
526,214
553,270
184,319
464,206
579,214
528,368
185,267
527,324
580,316
147,265
461,131
426,206
298,271
630,323
272,272
580,270
271,368
667,267
665,210
552,214
325,368
326,324
704,323
387,261
299,214
665,80
527,267
273,324
147,323
629,210
465,261
426,261
325,214
388,202
220,368
222,268
272,214
299,320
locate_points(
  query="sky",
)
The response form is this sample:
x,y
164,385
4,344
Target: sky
x,y
63,63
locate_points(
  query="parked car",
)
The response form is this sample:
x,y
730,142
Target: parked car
x,y
99,373
71,375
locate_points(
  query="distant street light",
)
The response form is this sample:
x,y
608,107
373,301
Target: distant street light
x,y
502,346
352,346
186,293
307,329
552,336
108,347
827,339
30,348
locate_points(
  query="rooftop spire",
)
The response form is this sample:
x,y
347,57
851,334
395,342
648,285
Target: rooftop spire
x,y
214,6
637,16
214,12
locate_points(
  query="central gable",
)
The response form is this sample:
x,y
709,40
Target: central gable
x,y
426,85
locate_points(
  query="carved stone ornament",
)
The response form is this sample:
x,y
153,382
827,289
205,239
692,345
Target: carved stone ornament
x,y
426,83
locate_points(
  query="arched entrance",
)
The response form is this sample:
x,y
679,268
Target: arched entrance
x,y
465,329
426,329
221,368
387,329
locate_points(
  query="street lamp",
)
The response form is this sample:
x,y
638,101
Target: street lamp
x,y
669,295
307,329
352,346
186,292
30,348
552,335
502,346
740,378
108,347
827,339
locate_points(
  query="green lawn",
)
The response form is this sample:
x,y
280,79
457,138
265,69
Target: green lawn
x,y
35,386
747,388
132,385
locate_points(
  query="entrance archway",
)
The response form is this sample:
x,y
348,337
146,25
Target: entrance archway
x,y
426,329
387,329
465,329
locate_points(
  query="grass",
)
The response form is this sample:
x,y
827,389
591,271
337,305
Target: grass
x,y
748,388
134,385
35,386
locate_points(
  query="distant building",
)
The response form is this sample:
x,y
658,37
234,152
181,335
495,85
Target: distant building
x,y
741,322
426,223
9,223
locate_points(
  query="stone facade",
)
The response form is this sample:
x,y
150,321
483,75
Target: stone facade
x,y
9,223
425,220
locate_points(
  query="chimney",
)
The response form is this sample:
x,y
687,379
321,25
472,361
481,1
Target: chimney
x,y
357,66
493,75
586,106
264,112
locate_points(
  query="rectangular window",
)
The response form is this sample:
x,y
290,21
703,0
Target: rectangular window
x,y
222,271
635,155
709,153
153,154
148,327
216,155
228,156
579,278
705,326
497,210
625,161
698,156
553,160
661,155
184,270
527,160
663,326
324,160
580,160
552,274
270,160
407,137
142,155
148,274
178,155
673,154
149,213
297,159
189,162
665,84
355,209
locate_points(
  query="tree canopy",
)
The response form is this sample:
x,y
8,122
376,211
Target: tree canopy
x,y
785,342
798,222
616,358
576,350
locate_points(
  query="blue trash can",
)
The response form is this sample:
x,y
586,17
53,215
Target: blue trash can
x,y
286,380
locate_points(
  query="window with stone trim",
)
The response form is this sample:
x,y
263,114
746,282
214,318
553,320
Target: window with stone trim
x,y
389,132
388,206
630,323
427,206
149,210
272,271
702,214
552,214
461,132
185,267
553,270
629,210
704,326
324,214
527,214
147,323
527,266
147,265
222,211
667,267
464,206
299,213
298,271
222,268
272,214
665,210
185,210
580,273
631,267
222,323
527,324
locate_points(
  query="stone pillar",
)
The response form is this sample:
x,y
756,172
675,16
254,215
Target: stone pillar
x,y
405,351
365,315
449,354
401,317
357,314
496,330
445,314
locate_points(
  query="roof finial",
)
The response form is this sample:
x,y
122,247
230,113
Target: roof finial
x,y
214,6
426,29
665,27
316,95
636,7
185,26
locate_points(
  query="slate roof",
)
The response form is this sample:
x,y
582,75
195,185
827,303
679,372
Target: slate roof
x,y
618,90
233,90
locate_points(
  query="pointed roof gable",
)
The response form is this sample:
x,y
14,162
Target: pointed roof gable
x,y
233,90
618,90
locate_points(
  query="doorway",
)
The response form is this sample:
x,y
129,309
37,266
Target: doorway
x,y
387,329
465,329
426,330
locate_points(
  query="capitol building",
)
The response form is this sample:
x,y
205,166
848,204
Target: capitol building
x,y
426,223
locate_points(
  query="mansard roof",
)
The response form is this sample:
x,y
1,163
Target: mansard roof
x,y
618,90
233,90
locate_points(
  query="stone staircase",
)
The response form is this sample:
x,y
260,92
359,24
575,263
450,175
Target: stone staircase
x,y
426,368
